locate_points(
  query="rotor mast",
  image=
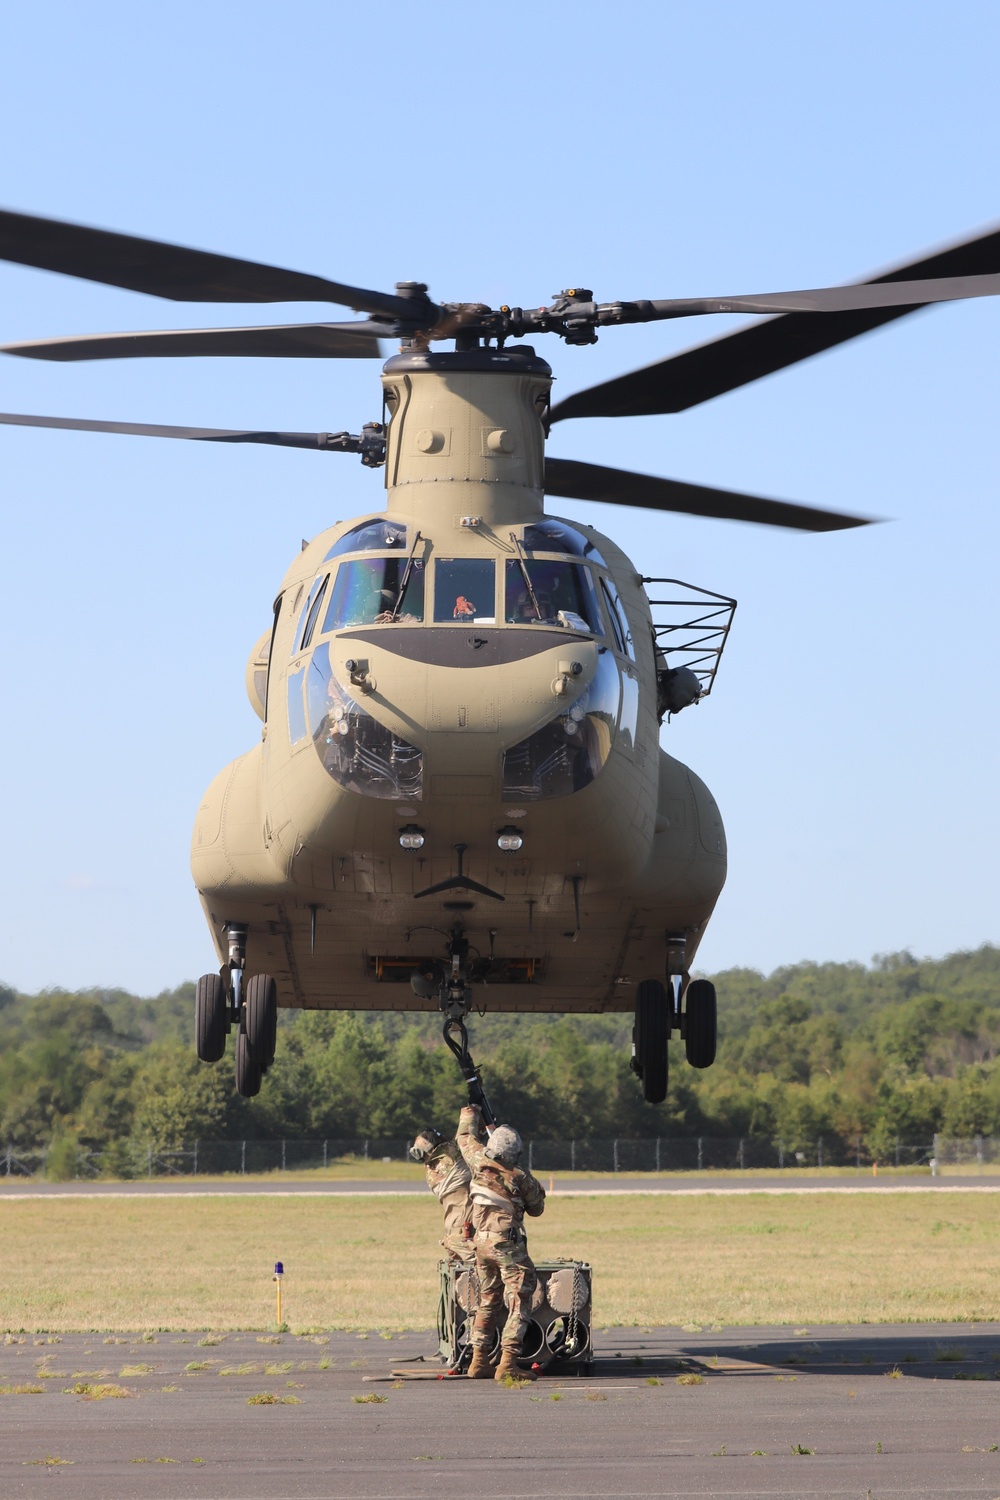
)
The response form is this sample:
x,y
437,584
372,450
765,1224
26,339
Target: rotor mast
x,y
466,437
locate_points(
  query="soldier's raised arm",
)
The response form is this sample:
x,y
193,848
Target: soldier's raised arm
x,y
471,1135
533,1195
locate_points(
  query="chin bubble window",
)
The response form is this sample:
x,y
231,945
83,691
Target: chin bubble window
x,y
296,713
370,592
465,590
563,757
356,750
629,722
538,592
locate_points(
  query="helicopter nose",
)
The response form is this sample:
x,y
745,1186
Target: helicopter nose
x,y
512,698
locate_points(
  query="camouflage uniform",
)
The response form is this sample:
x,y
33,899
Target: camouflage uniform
x,y
500,1198
448,1179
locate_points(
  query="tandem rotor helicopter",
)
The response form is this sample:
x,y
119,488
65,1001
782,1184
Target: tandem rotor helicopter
x,y
459,798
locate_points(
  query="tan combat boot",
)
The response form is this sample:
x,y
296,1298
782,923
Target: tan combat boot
x,y
509,1366
480,1368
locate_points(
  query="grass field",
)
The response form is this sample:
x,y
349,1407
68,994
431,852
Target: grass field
x,y
178,1264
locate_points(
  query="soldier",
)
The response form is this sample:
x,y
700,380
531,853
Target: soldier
x,y
501,1194
448,1179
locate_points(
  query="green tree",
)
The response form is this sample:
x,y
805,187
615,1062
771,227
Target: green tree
x,y
177,1098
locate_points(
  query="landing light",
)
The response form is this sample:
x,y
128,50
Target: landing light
x,y
411,837
510,840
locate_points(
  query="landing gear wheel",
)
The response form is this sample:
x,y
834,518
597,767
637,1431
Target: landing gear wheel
x,y
211,1018
248,1061
262,1017
652,1030
700,1023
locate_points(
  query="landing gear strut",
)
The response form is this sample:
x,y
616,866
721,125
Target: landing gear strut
x,y
236,932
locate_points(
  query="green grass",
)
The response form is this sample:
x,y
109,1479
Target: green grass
x,y
102,1392
124,1263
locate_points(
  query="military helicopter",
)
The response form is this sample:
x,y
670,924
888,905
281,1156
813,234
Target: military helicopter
x,y
459,798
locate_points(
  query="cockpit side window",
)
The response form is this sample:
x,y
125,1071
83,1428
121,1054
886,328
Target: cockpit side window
x,y
270,654
370,536
560,593
619,619
366,591
318,583
312,615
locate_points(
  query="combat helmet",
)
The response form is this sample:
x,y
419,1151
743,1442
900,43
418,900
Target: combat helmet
x,y
504,1146
425,1145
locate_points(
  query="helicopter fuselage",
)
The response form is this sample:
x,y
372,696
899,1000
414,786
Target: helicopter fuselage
x,y
459,698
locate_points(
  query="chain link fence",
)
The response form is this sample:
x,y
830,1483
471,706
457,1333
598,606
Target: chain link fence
x,y
981,1153
365,1158
145,1159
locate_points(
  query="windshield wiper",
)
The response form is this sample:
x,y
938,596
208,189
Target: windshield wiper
x,y
524,574
406,578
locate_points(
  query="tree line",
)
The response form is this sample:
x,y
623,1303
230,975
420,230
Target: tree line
x,y
898,1049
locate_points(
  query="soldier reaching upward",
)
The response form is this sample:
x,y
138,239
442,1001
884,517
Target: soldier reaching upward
x,y
448,1179
501,1194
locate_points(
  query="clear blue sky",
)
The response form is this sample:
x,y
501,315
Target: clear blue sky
x,y
500,153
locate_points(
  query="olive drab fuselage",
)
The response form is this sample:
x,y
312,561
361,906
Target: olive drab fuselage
x,y
511,685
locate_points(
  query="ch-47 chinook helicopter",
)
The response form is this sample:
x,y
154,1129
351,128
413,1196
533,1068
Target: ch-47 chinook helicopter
x,y
459,797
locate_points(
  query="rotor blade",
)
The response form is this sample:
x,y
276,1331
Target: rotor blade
x,y
173,271
319,440
831,299
686,379
570,480
292,341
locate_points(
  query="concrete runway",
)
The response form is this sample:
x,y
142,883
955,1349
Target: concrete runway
x,y
811,1414
31,1187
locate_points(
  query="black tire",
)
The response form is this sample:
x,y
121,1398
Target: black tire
x,y
652,1031
262,1017
701,1023
248,1069
211,1018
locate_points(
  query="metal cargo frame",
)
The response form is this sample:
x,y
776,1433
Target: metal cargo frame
x,y
559,1335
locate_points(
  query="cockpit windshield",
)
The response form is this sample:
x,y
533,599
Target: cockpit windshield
x,y
367,592
556,536
464,589
370,536
540,592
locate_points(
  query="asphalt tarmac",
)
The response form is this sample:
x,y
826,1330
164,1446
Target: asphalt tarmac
x,y
761,1413
33,1187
